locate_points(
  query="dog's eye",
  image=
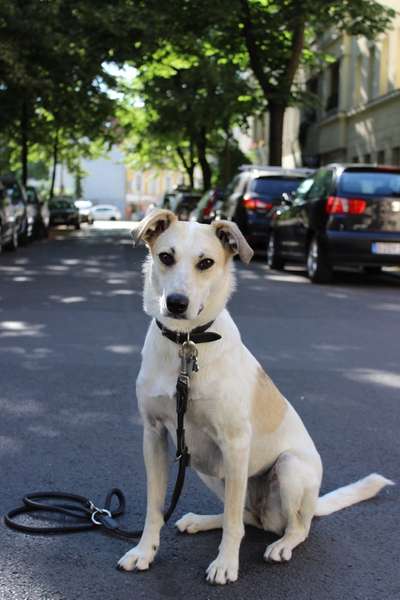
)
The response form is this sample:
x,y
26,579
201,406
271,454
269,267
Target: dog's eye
x,y
204,264
166,259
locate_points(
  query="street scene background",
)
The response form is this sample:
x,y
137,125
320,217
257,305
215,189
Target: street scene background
x,y
281,116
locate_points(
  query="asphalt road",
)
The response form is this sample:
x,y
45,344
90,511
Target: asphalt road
x,y
71,329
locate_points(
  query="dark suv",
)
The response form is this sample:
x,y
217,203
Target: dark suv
x,y
8,227
253,193
345,215
17,202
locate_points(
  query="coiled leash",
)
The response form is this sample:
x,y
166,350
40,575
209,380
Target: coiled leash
x,y
85,511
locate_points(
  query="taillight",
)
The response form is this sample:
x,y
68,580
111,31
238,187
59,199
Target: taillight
x,y
251,202
336,205
207,210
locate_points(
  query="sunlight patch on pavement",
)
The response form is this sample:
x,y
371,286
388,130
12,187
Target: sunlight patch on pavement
x,y
112,225
122,349
385,378
68,299
287,278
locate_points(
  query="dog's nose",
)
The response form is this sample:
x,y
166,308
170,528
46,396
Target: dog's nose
x,y
177,303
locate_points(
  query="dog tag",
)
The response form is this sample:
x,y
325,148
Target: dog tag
x,y
188,354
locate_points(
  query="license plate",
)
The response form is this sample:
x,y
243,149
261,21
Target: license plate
x,y
385,248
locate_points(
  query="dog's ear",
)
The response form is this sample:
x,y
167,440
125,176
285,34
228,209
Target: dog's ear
x,y
233,239
149,228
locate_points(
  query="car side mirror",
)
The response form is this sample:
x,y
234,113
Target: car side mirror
x,y
287,198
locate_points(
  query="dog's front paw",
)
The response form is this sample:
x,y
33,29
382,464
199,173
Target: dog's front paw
x,y
137,558
222,570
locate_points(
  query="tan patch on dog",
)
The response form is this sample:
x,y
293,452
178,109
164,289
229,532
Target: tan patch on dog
x,y
268,404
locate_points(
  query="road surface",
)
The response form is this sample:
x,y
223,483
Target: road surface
x,y
71,329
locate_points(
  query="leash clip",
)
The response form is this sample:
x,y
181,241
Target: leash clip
x,y
98,511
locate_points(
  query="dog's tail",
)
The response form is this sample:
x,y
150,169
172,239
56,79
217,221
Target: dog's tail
x,y
360,490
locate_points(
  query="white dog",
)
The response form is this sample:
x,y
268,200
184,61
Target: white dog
x,y
246,441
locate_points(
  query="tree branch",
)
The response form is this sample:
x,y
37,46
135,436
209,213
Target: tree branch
x,y
251,45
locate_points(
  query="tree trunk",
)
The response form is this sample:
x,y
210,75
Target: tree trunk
x,y
187,165
54,168
201,144
276,119
24,142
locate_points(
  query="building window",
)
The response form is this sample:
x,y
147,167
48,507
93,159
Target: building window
x,y
358,80
371,73
153,185
384,66
396,156
333,81
138,182
381,157
355,159
367,158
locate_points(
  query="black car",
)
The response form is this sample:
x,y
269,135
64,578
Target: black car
x,y
38,213
347,215
17,201
253,193
184,203
206,209
8,226
64,212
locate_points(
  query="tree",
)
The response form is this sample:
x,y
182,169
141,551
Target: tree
x,y
270,38
52,82
190,104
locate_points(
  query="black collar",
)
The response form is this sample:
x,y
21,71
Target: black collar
x,y
199,335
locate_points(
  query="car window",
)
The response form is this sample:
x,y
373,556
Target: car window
x,y
31,196
369,183
13,191
274,186
232,185
321,184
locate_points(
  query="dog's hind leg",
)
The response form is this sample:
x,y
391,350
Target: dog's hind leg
x,y
298,491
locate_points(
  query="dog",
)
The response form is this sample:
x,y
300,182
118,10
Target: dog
x,y
246,441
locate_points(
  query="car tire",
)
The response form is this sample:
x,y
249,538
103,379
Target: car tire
x,y
372,270
318,268
274,260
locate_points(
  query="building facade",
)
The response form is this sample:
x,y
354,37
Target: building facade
x,y
357,115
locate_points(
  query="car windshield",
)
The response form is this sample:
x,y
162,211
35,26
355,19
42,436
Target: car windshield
x,y
61,204
274,186
303,188
369,183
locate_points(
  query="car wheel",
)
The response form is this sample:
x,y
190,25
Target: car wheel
x,y
274,261
318,268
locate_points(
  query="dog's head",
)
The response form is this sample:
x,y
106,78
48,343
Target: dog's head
x,y
189,272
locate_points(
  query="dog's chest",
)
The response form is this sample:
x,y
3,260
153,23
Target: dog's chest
x,y
201,434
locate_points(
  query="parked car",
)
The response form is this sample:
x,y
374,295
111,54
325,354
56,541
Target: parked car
x,y
184,203
8,227
85,207
349,215
253,193
205,211
38,213
64,212
18,204
105,212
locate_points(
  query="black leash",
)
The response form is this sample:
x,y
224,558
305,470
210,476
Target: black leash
x,y
90,516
